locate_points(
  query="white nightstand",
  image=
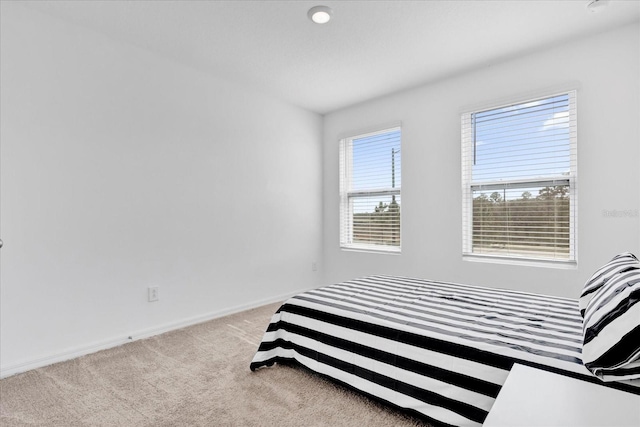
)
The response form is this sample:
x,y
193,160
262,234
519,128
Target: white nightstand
x,y
533,397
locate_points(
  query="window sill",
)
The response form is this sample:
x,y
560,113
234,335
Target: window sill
x,y
528,262
372,249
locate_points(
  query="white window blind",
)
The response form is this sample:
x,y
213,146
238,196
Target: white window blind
x,y
519,180
370,182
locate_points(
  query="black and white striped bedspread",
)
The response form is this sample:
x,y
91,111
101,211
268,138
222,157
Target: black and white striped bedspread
x,y
438,350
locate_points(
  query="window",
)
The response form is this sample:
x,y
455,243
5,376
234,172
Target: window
x,y
519,180
370,181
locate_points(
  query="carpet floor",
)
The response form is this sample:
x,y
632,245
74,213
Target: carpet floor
x,y
196,376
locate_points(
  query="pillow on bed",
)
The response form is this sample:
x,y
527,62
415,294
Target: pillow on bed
x,y
618,264
611,329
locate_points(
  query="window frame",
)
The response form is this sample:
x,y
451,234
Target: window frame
x,y
346,194
468,185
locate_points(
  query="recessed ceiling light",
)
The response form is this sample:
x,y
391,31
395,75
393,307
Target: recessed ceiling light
x,y
320,14
595,6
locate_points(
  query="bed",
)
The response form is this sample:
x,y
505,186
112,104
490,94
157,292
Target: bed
x,y
440,351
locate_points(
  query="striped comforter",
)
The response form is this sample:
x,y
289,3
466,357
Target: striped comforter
x,y
438,350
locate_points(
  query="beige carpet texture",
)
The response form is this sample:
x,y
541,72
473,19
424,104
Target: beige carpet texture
x,y
196,376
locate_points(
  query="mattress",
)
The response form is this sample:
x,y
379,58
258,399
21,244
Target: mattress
x,y
437,350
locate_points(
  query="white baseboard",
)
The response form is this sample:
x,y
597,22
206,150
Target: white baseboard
x,y
82,350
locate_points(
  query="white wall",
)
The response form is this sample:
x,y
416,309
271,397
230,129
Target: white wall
x,y
121,170
607,69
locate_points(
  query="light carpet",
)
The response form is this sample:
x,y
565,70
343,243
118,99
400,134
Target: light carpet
x,y
196,376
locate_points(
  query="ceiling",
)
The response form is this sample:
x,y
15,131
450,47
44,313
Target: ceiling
x,y
368,50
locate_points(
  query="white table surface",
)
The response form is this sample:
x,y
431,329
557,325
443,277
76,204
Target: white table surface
x,y
533,397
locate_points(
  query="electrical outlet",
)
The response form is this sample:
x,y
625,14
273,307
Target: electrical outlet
x,y
314,266
152,293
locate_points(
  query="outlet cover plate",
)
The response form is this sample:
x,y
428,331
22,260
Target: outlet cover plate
x,y
152,293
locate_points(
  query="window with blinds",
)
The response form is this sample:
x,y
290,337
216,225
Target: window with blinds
x,y
370,182
519,180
